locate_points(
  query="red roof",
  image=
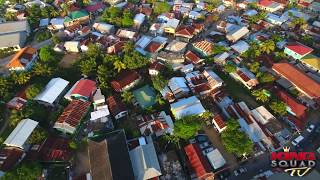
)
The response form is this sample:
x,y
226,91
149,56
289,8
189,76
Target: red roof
x,y
243,76
297,108
115,105
299,48
9,156
85,88
297,122
298,78
197,161
123,79
74,112
153,47
192,57
219,121
156,66
95,7
185,31
265,3
56,149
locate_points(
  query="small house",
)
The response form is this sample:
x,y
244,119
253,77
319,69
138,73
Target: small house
x,y
23,60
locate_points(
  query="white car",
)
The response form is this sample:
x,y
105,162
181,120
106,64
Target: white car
x,y
311,128
297,140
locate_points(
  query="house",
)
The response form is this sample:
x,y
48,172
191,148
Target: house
x,y
204,47
311,61
19,136
246,77
125,80
138,20
236,33
195,15
158,124
56,149
178,86
95,8
240,47
98,99
219,123
113,2
56,24
185,33
171,57
203,83
14,34
72,46
314,7
104,28
116,107
100,119
221,58
16,103
71,31
262,115
71,117
269,5
187,68
200,166
187,106
275,19
155,68
171,25
176,46
126,34
145,161
81,16
23,60
193,58
216,159
297,50
82,89
302,82
109,158
10,157
51,94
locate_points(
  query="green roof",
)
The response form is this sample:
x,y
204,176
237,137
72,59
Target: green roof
x,y
67,19
145,96
78,14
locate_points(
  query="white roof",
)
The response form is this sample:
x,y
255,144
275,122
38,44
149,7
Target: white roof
x,y
57,21
52,90
240,46
262,115
178,83
237,33
145,162
187,68
187,106
172,23
221,57
176,46
216,159
143,41
316,23
251,12
122,33
103,27
99,114
139,18
21,133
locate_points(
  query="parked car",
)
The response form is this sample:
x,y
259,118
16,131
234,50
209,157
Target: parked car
x,y
297,140
206,151
311,128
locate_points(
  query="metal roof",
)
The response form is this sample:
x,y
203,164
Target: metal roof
x,y
52,90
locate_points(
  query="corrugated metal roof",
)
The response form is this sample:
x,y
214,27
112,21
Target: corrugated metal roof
x,y
52,90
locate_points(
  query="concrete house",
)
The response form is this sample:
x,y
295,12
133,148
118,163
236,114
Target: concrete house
x,y
23,60
236,33
14,34
297,50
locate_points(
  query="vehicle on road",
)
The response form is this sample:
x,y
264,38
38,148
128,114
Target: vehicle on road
x,y
240,171
311,128
206,151
297,140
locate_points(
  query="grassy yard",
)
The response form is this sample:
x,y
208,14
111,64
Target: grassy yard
x,y
236,90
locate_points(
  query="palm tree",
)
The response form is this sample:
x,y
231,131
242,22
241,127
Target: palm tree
x,y
207,115
261,95
118,65
10,16
42,70
160,100
21,78
267,46
127,96
128,47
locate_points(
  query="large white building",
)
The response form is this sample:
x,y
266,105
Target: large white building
x,y
187,106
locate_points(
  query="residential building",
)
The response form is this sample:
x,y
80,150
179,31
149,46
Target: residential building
x,y
219,123
81,16
216,159
23,60
269,5
56,149
236,32
72,115
82,89
98,99
187,106
247,78
113,2
176,46
116,107
19,136
204,47
171,25
10,157
158,124
171,57
14,34
72,46
125,80
193,58
126,34
200,166
104,28
138,20
51,94
300,80
144,160
297,50
109,158
185,33
311,61
178,86
240,47
155,68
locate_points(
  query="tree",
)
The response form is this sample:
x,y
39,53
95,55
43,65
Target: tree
x,y
46,54
33,90
118,65
103,75
41,69
37,136
236,141
10,16
128,47
207,115
254,67
56,39
159,82
20,78
73,145
161,7
230,68
127,19
268,46
127,96
25,171
160,100
218,49
266,78
4,87
279,107
261,95
88,67
187,127
212,4
134,60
